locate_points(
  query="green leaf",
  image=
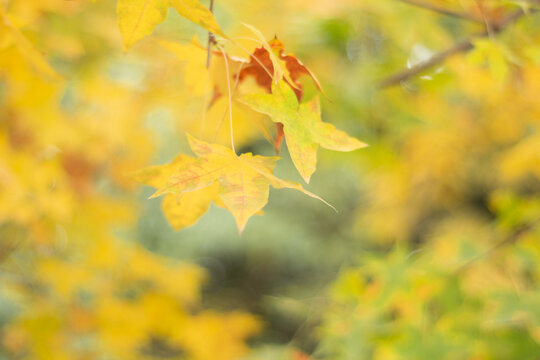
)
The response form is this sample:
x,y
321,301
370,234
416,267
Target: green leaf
x,y
304,129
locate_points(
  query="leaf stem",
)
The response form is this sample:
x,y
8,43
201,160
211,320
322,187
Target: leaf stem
x,y
211,41
489,30
443,11
236,81
205,104
229,94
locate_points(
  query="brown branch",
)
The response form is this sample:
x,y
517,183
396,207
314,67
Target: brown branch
x,y
509,240
421,67
7,249
480,5
460,47
443,11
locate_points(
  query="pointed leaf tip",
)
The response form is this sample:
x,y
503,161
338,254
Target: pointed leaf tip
x,y
240,183
304,129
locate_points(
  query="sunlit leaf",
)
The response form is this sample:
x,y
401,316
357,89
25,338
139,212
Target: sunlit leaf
x,y
138,18
304,129
244,180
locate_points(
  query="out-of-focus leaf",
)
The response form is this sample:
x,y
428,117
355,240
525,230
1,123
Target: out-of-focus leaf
x,y
138,18
10,34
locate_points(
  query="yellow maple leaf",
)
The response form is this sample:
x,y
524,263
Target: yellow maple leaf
x,y
9,34
180,211
138,18
244,180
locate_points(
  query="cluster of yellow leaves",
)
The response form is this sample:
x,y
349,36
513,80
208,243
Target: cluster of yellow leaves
x,y
138,18
487,143
66,144
242,183
11,36
123,301
243,180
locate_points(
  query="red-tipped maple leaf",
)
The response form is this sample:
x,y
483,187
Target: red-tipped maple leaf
x,y
261,67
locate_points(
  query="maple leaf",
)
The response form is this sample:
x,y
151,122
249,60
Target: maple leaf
x,y
10,34
243,181
303,127
276,72
183,211
138,18
264,61
262,64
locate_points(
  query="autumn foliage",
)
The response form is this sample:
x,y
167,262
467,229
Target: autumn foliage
x,y
141,142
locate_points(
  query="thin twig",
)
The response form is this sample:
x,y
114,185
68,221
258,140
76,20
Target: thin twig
x,y
460,47
509,240
205,104
211,41
395,79
230,95
489,30
441,10
236,82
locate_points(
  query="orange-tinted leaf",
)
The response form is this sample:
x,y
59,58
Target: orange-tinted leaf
x,y
261,66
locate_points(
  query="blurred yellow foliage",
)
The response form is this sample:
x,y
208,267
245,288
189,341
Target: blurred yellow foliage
x,y
440,215
67,146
